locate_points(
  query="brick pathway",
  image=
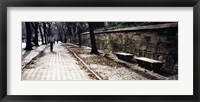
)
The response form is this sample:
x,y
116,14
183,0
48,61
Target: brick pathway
x,y
56,65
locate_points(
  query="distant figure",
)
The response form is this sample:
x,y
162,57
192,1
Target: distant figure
x,y
51,41
57,40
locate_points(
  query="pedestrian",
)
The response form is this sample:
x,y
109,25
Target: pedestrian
x,y
51,41
57,40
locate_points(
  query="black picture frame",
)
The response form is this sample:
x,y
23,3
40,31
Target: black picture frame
x,y
98,3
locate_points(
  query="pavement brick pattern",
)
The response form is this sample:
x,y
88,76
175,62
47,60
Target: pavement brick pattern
x,y
56,65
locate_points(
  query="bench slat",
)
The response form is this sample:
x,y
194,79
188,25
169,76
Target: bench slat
x,y
148,60
125,54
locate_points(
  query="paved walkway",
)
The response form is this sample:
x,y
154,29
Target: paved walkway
x,y
56,65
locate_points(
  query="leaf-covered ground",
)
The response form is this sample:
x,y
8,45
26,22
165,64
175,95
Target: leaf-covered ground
x,y
111,68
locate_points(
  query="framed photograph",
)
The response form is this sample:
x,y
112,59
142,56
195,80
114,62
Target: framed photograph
x,y
72,50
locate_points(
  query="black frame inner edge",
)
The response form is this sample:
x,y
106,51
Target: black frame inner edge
x,y
22,3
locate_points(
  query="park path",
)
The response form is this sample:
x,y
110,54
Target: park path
x,y
56,65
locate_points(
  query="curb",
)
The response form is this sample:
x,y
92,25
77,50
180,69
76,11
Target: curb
x,y
28,62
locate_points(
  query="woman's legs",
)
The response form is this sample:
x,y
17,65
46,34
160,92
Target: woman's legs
x,y
51,46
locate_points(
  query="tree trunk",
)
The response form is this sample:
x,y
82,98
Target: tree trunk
x,y
35,26
92,38
64,40
28,36
79,36
79,39
45,33
60,33
42,38
49,30
60,36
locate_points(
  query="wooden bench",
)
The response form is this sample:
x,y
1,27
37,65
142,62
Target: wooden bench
x,y
125,56
148,63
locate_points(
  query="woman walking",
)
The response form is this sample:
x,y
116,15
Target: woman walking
x,y
51,41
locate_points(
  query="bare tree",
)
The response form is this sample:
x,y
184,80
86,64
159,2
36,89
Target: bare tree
x,y
61,30
79,35
80,27
92,38
28,36
41,33
49,28
45,32
35,26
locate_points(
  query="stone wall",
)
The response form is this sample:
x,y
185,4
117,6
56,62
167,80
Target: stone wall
x,y
158,42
